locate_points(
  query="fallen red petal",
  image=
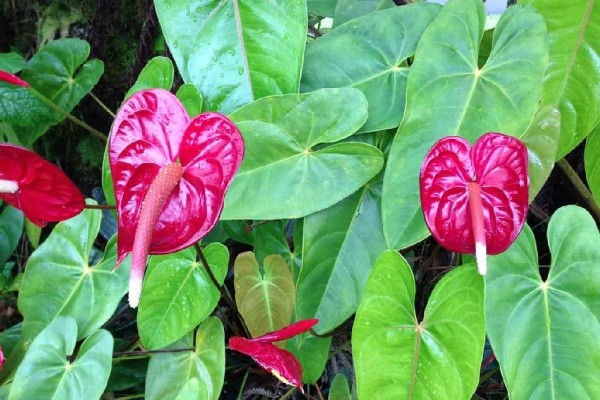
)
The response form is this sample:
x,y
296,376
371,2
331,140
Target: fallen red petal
x,y
45,194
12,79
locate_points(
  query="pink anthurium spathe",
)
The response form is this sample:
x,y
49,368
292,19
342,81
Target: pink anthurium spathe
x,y
37,187
475,199
170,176
277,361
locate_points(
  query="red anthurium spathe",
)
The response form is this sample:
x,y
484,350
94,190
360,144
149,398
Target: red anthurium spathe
x,y
12,79
170,175
475,199
37,187
279,362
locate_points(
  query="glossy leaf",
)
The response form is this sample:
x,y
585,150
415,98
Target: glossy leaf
x,y
20,106
33,233
46,373
234,52
178,294
279,362
157,74
265,300
271,238
62,283
592,163
169,373
11,229
398,357
324,8
345,10
312,352
448,94
294,178
360,54
498,165
60,72
541,139
37,187
572,79
545,332
340,389
11,62
191,98
340,246
7,77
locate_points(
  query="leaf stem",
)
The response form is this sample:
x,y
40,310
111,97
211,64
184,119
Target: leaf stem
x,y
102,105
581,188
70,117
100,207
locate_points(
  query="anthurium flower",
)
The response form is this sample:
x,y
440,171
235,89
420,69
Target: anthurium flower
x,y
37,187
475,199
1,358
170,175
279,362
12,79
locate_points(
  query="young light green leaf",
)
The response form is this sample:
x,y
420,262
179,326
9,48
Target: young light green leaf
x,y
592,163
11,229
178,294
46,372
265,300
233,51
191,98
169,373
158,73
340,246
398,357
545,333
62,283
572,79
448,94
360,54
294,178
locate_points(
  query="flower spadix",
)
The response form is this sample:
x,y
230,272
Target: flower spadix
x,y
37,187
475,199
277,361
170,176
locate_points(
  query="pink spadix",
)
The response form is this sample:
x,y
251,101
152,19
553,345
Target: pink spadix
x,y
475,199
170,176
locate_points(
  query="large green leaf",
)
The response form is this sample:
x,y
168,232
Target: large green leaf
x,y
178,294
340,389
158,73
340,246
59,281
191,98
345,10
541,139
362,54
546,333
11,62
592,163
169,373
235,51
283,175
20,107
398,357
60,72
448,94
46,372
265,300
572,80
312,352
11,229
324,8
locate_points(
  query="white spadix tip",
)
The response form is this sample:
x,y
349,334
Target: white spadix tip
x,y
481,256
135,290
7,186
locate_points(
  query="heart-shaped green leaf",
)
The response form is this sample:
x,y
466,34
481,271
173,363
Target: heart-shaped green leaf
x,y
398,357
361,54
45,372
265,300
340,246
283,175
572,79
11,62
178,294
169,373
60,72
345,10
158,73
546,334
340,389
11,229
233,51
312,352
58,280
19,106
592,162
449,94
